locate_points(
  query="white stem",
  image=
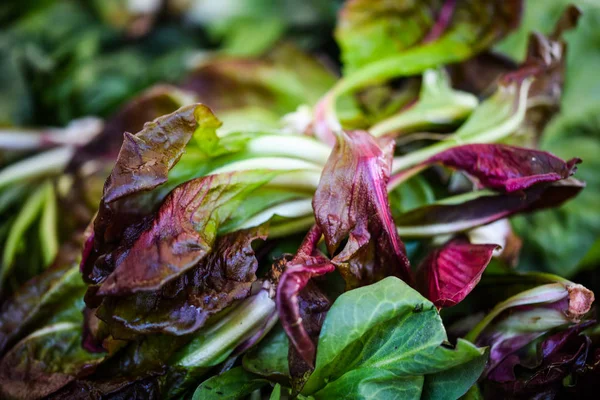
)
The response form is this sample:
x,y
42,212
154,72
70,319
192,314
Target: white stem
x,y
47,163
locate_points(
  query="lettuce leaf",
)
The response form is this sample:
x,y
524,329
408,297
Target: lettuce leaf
x,y
449,273
351,203
388,339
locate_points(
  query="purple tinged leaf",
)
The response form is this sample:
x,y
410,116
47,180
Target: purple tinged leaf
x,y
521,319
506,168
140,388
558,356
351,203
448,274
45,361
313,305
183,305
142,165
182,232
483,208
306,264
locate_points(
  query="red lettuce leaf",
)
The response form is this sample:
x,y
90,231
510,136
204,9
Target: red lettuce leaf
x,y
449,273
183,305
559,355
142,165
351,202
506,168
306,264
182,232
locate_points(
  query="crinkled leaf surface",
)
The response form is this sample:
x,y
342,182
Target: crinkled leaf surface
x,y
143,164
183,305
384,338
183,231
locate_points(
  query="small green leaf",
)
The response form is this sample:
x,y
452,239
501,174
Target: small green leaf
x,y
233,384
270,357
454,382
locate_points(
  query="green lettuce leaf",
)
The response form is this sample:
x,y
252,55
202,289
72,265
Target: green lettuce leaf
x,y
234,384
387,339
368,31
270,357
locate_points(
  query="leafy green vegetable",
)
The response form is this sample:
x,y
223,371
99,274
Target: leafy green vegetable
x,y
387,339
233,384
270,357
368,31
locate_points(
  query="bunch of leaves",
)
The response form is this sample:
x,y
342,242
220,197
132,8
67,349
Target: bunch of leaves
x,y
180,285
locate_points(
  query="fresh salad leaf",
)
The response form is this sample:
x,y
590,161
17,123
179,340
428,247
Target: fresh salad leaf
x,y
463,212
506,168
233,384
270,357
223,277
55,296
152,152
388,339
351,203
449,273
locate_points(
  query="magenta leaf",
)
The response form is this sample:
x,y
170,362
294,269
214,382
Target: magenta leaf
x,y
448,274
506,168
307,264
351,202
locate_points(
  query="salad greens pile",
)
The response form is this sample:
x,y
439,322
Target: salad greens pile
x,y
235,207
